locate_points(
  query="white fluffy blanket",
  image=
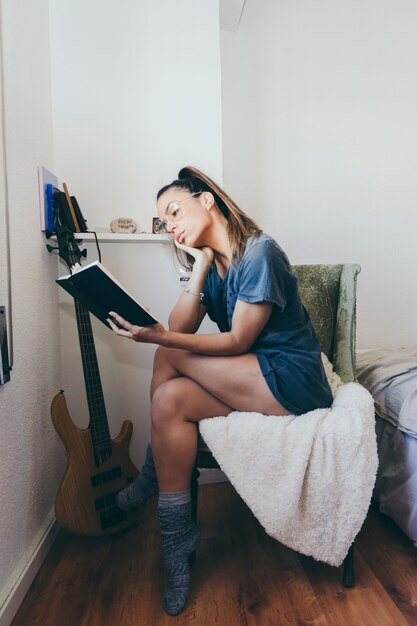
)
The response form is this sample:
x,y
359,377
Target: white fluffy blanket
x,y
309,478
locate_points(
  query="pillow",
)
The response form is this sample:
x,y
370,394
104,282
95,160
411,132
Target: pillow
x,y
390,375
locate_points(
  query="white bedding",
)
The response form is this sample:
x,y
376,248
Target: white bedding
x,y
396,483
390,375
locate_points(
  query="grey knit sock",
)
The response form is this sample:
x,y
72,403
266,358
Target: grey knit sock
x,y
144,487
180,535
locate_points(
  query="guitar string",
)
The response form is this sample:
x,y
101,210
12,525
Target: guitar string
x,y
100,426
95,392
100,456
84,323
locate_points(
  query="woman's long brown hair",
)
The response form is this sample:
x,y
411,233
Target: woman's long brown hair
x,y
239,225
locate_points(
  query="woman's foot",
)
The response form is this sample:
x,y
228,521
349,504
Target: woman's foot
x,y
144,487
180,536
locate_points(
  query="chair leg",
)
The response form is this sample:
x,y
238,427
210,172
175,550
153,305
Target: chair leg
x,y
348,579
194,502
194,491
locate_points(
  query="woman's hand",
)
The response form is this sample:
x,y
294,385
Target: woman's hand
x,y
145,334
203,256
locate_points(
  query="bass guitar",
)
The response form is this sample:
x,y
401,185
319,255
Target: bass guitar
x,y
98,467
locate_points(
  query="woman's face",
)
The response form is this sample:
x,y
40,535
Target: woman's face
x,y
186,216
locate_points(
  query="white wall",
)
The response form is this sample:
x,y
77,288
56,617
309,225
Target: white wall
x,y
333,98
136,90
239,59
31,457
135,99
136,94
4,274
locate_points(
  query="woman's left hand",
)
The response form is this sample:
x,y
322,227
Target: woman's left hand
x,y
144,334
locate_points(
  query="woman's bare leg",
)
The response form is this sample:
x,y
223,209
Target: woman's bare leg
x,y
237,381
185,389
188,387
176,405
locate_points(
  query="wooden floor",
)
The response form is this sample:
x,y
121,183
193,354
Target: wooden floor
x,y
242,577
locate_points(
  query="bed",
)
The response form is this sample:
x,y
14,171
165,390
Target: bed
x,y
390,375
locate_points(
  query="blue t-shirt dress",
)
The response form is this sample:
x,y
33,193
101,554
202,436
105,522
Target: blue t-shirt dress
x,y
287,349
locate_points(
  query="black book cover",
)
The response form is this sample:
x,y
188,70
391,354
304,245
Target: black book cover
x,y
97,289
65,212
80,219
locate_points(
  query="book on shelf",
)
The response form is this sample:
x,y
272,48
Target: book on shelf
x,y
52,199
100,292
46,181
61,203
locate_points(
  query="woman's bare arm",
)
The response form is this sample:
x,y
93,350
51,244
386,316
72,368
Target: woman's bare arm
x,y
247,324
188,313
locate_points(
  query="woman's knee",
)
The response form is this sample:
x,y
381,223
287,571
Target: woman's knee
x,y
166,403
169,357
161,357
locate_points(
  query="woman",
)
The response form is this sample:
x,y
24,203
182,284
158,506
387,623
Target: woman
x,y
265,359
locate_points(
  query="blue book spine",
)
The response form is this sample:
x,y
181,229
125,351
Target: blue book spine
x,y
49,214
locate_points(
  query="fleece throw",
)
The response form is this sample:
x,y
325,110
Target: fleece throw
x,y
308,478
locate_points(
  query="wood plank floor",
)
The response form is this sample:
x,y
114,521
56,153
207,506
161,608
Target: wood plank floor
x,y
242,577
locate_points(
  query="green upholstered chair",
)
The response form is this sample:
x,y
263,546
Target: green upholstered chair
x,y
329,294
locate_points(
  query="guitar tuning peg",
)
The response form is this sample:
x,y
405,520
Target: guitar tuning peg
x,y
84,253
48,233
51,248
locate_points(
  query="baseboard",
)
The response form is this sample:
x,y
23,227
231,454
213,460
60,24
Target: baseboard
x,y
24,575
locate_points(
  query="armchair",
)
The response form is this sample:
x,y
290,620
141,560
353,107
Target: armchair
x,y
329,294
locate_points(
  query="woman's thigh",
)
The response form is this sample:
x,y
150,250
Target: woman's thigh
x,y
237,381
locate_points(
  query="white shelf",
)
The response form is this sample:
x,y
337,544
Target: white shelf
x,y
107,237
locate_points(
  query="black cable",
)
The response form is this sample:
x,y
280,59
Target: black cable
x,y
97,244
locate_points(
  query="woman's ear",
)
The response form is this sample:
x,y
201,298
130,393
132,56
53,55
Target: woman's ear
x,y
208,200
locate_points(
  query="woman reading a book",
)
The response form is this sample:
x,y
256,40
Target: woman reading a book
x,y
266,357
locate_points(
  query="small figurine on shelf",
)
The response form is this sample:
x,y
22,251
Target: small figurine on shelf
x,y
158,227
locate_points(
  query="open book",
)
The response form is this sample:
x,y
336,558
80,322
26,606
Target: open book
x,y
100,292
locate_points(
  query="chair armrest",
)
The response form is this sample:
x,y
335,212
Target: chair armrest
x,y
345,331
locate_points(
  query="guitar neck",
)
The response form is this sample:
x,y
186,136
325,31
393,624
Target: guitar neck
x,y
97,410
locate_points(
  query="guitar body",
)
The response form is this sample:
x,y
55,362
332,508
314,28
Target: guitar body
x,y
85,502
